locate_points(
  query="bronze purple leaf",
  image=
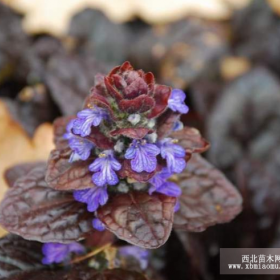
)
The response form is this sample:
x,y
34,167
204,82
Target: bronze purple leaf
x,y
63,175
34,211
191,140
79,273
166,123
139,218
18,255
19,170
208,198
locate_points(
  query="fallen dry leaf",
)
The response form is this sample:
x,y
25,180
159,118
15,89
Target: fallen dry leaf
x,y
16,147
156,11
275,5
232,67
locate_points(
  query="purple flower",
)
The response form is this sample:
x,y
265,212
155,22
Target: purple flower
x,y
177,206
142,155
174,155
167,188
178,126
93,197
81,147
88,118
98,225
58,252
139,254
105,167
176,101
160,185
69,135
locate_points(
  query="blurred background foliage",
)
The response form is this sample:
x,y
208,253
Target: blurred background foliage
x,y
224,53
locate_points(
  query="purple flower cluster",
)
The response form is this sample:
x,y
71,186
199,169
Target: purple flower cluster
x,y
142,155
57,252
81,147
88,118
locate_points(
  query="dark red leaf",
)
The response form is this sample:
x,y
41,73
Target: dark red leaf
x,y
79,273
149,78
139,218
99,139
111,90
125,66
190,139
119,81
17,171
36,212
135,133
161,96
140,104
144,176
166,123
136,88
18,254
95,99
63,175
207,197
70,88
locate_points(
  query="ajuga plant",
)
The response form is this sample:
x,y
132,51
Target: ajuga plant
x,y
124,166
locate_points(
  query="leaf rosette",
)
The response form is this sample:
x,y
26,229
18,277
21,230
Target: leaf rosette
x,y
124,163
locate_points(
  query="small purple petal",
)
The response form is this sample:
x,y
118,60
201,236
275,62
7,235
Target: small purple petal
x,y
81,147
93,197
68,135
178,126
98,225
176,101
159,179
160,185
177,206
167,188
96,165
139,254
179,165
57,252
88,118
76,247
130,153
174,155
